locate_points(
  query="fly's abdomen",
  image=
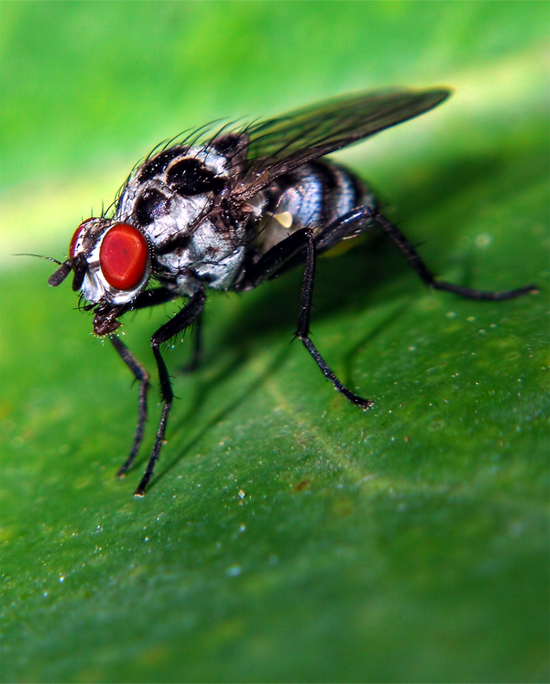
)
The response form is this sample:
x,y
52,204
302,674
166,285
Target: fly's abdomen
x,y
312,196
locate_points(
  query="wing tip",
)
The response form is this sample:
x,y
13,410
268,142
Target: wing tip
x,y
440,93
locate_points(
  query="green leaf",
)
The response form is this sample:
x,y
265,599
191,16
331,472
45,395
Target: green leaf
x,y
286,536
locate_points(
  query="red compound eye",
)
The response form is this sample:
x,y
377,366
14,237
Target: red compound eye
x,y
123,256
75,238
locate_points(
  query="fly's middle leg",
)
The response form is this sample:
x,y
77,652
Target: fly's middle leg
x,y
301,247
302,331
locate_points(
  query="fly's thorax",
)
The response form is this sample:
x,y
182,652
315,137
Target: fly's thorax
x,y
211,256
173,199
169,192
111,261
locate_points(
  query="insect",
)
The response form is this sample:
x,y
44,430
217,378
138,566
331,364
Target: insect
x,y
227,211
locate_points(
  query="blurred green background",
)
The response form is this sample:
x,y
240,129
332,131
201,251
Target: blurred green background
x,y
286,536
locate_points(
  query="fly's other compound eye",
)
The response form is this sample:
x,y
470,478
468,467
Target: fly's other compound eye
x,y
123,256
75,237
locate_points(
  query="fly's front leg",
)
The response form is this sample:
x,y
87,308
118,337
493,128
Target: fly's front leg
x,y
303,327
145,299
153,297
181,320
141,375
417,263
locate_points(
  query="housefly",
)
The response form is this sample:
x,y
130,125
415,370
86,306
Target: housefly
x,y
229,210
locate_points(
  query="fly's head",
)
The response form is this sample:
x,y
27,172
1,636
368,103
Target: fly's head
x,y
111,263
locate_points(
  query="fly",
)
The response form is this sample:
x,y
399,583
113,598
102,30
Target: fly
x,y
228,212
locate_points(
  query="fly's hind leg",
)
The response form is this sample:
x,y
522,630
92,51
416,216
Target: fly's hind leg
x,y
417,263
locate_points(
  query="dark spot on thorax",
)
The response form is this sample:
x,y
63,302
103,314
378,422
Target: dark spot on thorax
x,y
177,245
151,205
191,177
159,163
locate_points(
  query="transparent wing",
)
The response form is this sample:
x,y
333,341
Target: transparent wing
x,y
278,145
